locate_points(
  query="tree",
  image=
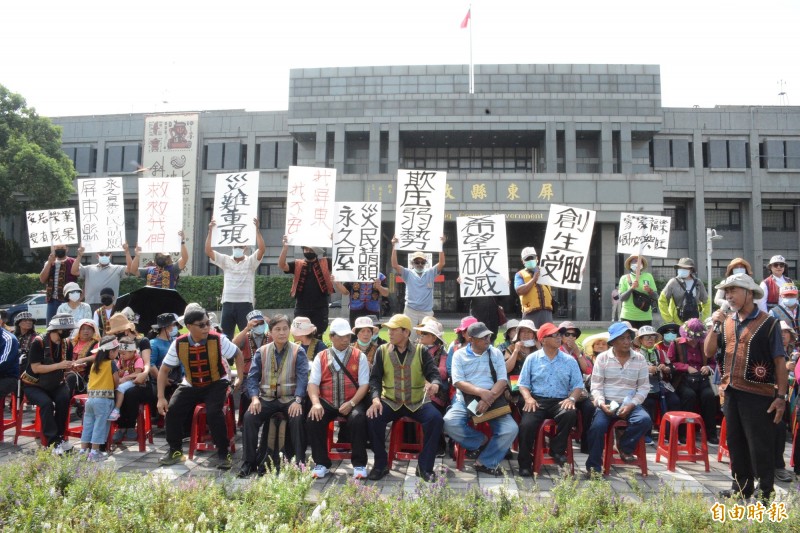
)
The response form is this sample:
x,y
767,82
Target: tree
x,y
33,167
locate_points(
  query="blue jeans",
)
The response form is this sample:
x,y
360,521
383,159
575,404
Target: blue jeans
x,y
427,415
95,420
504,431
639,423
52,308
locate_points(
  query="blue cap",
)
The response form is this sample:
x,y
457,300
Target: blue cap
x,y
616,329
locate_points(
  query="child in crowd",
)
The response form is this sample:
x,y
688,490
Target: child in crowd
x,y
131,365
103,380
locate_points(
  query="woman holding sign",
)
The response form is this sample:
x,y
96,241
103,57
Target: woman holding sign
x,y
638,292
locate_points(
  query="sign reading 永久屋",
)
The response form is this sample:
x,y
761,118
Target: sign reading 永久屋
x,y
643,235
566,246
482,255
160,215
102,214
309,206
419,216
356,241
50,227
235,207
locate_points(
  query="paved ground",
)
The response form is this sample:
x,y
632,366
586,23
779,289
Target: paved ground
x,y
623,479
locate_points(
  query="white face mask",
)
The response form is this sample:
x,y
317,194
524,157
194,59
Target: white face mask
x,y
683,272
74,296
739,270
633,266
790,302
238,253
419,270
104,260
260,329
530,343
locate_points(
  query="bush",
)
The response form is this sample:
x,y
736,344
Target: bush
x,y
15,286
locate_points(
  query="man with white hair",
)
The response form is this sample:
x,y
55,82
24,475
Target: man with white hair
x,y
536,300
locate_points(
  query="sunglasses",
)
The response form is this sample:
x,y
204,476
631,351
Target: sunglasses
x,y
570,334
101,254
202,325
419,262
779,265
554,336
695,334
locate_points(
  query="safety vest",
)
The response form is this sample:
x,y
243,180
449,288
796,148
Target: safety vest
x,y
538,298
334,386
403,383
748,364
277,382
202,363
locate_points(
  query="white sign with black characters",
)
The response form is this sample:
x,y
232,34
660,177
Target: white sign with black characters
x,y
482,255
50,227
102,214
235,207
357,241
643,235
566,246
419,213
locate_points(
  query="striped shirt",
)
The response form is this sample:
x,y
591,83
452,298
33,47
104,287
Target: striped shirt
x,y
612,381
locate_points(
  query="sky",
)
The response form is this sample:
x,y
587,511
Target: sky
x,y
89,57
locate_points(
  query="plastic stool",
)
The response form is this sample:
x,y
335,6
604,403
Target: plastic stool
x,y
723,451
611,456
687,452
76,430
342,455
8,423
541,452
404,451
200,440
144,430
29,430
460,452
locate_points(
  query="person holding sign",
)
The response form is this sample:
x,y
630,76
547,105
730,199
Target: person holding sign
x,y
637,290
536,300
164,274
56,273
239,280
419,283
101,275
312,284
365,298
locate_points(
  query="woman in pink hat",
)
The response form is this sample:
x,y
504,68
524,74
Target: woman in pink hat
x,y
461,339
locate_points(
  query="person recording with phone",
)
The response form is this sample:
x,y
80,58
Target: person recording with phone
x,y
536,300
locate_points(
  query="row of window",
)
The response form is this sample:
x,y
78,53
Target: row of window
x,y
726,216
722,153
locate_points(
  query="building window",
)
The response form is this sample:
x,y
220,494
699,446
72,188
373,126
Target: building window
x,y
123,158
671,153
678,217
84,158
225,156
501,159
721,153
777,154
271,214
723,216
775,217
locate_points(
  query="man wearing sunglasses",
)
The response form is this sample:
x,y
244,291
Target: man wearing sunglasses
x,y
536,300
772,284
101,275
205,357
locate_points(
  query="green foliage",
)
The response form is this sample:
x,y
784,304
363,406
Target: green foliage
x,y
15,286
32,164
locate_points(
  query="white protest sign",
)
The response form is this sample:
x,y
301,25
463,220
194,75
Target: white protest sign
x,y
643,235
102,214
482,255
356,241
235,207
309,206
419,216
566,246
160,214
52,226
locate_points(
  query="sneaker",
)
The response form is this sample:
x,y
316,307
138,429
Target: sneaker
x,y
781,474
378,473
649,441
172,457
221,462
131,434
360,472
319,472
427,477
95,457
114,416
63,447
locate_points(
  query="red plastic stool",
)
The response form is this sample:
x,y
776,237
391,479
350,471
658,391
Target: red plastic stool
x,y
8,423
76,430
404,451
723,451
611,456
541,452
460,452
341,455
687,452
29,430
200,440
144,430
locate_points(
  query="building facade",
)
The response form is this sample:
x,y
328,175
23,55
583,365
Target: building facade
x,y
591,136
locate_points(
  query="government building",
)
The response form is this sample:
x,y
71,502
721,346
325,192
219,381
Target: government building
x,y
589,136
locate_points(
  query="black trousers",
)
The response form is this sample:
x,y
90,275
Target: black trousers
x,y
709,404
135,396
252,425
317,432
531,422
181,407
751,441
53,408
317,315
587,409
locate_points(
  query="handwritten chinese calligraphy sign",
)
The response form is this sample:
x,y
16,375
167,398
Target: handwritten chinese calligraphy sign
x,y
160,214
52,226
419,218
643,235
310,206
356,241
566,246
482,255
235,207
102,214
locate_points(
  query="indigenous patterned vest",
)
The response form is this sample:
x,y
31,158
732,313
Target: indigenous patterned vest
x,y
325,284
159,277
403,383
538,298
249,349
277,382
748,364
203,363
54,291
103,319
334,386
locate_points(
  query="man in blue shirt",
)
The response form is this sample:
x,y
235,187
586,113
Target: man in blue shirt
x,y
419,284
473,376
550,383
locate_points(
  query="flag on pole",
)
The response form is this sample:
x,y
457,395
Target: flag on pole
x,y
465,22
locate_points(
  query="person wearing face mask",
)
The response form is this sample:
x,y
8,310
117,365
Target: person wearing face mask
x,y
239,280
74,306
431,337
661,393
684,297
787,309
637,291
536,300
367,338
249,340
164,274
103,274
419,284
771,285
102,315
311,285
55,274
166,331
736,266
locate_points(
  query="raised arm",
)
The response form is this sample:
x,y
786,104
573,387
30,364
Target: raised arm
x,y
76,265
45,273
282,258
440,264
133,267
184,252
262,246
209,249
395,265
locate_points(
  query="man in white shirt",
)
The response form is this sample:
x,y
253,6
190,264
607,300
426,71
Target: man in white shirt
x,y
101,275
239,282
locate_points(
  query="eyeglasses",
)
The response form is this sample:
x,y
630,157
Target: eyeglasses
x,y
570,334
419,262
103,254
202,325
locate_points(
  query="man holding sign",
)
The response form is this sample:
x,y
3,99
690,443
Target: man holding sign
x,y
55,274
311,285
419,283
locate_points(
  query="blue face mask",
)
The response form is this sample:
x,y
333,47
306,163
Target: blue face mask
x,y
260,329
174,331
789,302
375,337
530,264
683,272
669,337
363,344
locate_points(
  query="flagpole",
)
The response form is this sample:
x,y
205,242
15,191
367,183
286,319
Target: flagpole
x,y
471,65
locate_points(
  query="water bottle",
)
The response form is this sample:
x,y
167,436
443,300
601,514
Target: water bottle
x,y
628,399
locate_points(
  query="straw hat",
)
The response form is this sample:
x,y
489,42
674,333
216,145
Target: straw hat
x,y
629,260
119,323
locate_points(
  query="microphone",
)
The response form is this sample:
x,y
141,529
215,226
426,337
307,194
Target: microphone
x,y
717,327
